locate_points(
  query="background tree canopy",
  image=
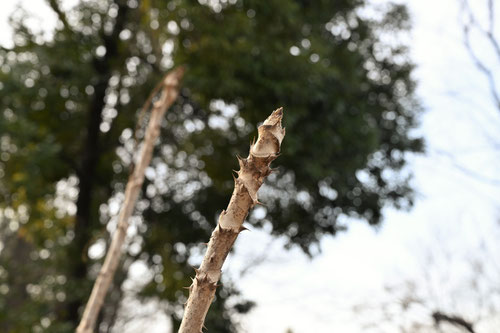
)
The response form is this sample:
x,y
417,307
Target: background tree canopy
x,y
69,105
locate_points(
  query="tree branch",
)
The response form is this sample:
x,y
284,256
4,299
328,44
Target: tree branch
x,y
455,320
469,172
60,14
105,277
488,72
251,175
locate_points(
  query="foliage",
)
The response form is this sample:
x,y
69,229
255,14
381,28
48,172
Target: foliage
x,y
68,113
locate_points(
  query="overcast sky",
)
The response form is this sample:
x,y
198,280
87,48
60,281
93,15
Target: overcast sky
x,y
454,211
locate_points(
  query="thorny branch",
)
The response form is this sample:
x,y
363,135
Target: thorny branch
x,y
169,93
253,171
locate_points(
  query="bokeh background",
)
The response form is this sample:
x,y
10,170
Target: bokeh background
x,y
383,216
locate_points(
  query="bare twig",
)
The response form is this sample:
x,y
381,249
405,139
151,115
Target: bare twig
x,y
467,171
489,34
491,29
251,175
488,73
455,320
168,95
54,4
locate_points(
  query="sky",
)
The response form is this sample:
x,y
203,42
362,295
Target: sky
x,y
454,212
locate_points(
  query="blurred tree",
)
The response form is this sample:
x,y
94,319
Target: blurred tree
x,y
69,102
456,289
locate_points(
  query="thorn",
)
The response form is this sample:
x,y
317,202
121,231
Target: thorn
x,y
257,202
188,288
241,161
206,244
197,270
242,228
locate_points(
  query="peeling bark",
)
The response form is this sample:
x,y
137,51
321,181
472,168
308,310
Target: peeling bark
x,y
251,175
105,277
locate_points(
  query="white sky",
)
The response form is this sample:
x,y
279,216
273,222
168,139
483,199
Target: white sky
x,y
317,295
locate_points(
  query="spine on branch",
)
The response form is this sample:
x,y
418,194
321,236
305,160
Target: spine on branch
x,y
169,93
253,171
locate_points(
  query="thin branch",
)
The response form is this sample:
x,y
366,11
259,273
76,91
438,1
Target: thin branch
x,y
491,16
491,29
482,67
251,175
469,172
455,320
490,36
256,260
105,277
60,14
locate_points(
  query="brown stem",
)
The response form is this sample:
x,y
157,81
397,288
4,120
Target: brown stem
x,y
169,94
251,175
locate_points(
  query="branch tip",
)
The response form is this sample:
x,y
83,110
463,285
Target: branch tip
x,y
242,228
251,175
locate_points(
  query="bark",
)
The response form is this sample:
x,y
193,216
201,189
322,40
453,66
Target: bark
x,y
251,175
16,251
168,95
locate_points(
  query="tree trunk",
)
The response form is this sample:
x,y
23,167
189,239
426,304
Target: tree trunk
x,y
90,158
